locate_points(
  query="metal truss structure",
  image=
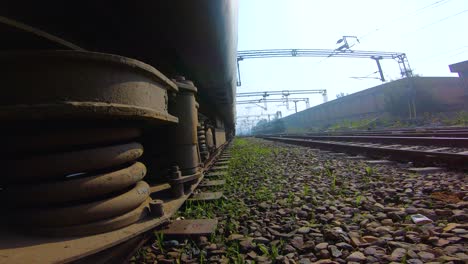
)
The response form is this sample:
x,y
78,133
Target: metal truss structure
x,y
401,58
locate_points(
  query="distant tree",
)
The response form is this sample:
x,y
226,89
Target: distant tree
x,y
341,95
262,122
265,127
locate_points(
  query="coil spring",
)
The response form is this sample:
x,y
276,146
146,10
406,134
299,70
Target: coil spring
x,y
78,186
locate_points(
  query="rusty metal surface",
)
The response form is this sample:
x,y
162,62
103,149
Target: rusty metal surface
x,y
121,253
97,227
379,162
181,185
83,213
219,168
191,227
159,37
403,132
202,144
220,137
206,196
358,157
31,36
207,183
61,139
103,85
214,157
425,170
453,160
17,248
216,174
185,139
72,190
461,133
420,141
55,166
185,178
210,138
83,111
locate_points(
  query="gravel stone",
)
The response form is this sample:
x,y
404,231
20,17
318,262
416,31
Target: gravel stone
x,y
287,195
335,252
356,257
321,246
426,256
398,254
303,230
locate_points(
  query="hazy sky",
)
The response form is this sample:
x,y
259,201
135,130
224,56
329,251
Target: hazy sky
x,y
431,32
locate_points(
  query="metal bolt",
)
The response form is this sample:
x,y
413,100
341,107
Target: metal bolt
x,y
178,190
175,173
156,208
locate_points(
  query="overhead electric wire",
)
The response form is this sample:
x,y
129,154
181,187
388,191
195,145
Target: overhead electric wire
x,y
276,53
457,54
444,53
414,13
367,76
440,20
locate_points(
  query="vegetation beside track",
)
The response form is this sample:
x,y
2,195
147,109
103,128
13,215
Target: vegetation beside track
x,y
288,204
457,119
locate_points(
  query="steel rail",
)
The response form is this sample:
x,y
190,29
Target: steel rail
x,y
441,134
427,135
419,141
458,132
404,132
452,160
423,128
430,135
396,131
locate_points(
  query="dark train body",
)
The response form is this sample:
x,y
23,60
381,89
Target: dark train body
x,y
110,110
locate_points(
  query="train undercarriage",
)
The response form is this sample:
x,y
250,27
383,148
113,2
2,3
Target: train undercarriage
x,y
111,114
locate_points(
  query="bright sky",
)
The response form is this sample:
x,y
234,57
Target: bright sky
x,y
430,32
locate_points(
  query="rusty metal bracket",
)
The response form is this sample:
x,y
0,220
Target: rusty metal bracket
x,y
212,183
206,196
191,227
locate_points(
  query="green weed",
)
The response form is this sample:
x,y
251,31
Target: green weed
x,y
306,190
358,200
159,241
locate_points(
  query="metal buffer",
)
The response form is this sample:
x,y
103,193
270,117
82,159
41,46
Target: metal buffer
x,y
344,52
186,154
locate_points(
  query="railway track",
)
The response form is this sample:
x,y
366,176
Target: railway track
x,y
426,150
413,132
312,202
